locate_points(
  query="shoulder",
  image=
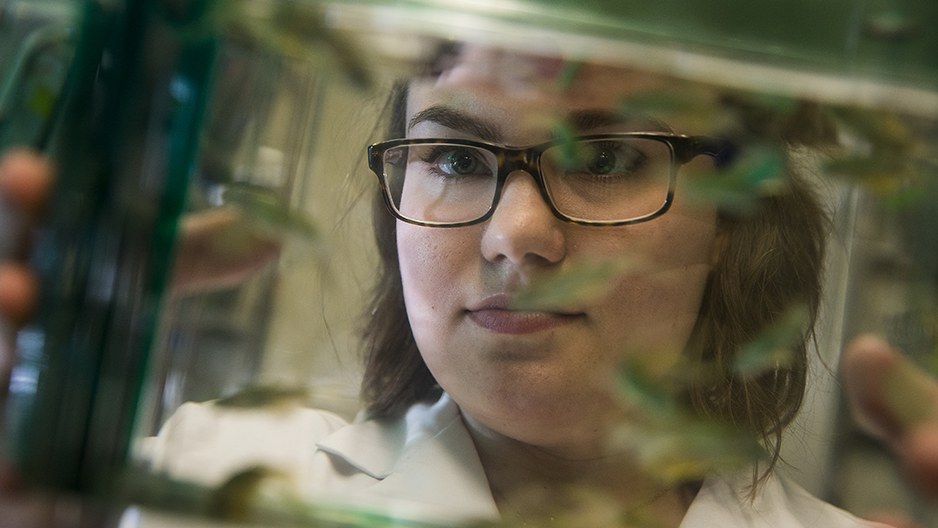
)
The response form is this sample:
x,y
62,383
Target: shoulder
x,y
206,443
778,503
423,465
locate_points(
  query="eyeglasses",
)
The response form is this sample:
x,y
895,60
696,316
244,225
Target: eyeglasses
x,y
601,180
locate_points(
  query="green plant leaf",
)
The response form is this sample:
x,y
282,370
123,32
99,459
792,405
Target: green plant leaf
x,y
583,282
642,392
295,30
760,172
686,448
233,500
773,348
266,211
264,396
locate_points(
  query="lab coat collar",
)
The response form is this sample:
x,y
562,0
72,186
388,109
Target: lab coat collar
x,y
428,459
724,501
408,456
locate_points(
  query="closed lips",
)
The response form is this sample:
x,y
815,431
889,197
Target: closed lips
x,y
494,315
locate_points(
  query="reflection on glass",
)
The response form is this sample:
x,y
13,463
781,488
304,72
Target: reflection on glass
x,y
536,360
584,288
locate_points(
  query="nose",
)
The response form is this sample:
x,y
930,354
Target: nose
x,y
523,228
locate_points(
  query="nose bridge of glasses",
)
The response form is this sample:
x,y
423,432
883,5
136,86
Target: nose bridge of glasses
x,y
514,163
518,159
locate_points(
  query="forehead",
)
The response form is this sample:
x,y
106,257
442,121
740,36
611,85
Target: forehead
x,y
522,94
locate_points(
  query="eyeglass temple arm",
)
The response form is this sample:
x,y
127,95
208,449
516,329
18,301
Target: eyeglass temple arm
x,y
721,150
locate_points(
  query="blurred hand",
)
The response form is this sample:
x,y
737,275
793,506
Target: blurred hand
x,y
25,184
215,249
896,402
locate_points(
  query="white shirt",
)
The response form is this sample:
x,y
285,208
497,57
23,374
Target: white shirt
x,y
422,466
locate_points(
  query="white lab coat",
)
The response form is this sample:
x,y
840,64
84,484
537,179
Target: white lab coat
x,y
422,466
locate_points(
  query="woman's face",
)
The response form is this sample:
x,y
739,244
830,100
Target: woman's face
x,y
542,375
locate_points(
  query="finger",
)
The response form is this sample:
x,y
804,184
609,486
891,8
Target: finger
x,y
919,455
863,368
887,393
894,400
25,185
18,294
25,180
19,291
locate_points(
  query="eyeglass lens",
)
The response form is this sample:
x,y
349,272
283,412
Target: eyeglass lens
x,y
604,180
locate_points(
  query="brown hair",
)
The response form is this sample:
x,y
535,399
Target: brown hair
x,y
395,375
770,265
771,261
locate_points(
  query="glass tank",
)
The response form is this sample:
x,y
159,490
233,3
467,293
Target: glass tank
x,y
475,262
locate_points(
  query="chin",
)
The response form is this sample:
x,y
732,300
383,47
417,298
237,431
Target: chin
x,y
551,421
563,438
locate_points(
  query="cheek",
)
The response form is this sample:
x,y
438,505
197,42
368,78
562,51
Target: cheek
x,y
685,238
663,301
433,271
420,266
660,309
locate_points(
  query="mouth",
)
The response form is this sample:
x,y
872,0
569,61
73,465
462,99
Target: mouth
x,y
496,315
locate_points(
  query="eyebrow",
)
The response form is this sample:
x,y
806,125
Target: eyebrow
x,y
456,120
581,120
587,120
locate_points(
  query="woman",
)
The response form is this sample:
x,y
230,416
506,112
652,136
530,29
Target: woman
x,y
484,407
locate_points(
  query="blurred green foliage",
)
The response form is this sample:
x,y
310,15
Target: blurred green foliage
x,y
885,153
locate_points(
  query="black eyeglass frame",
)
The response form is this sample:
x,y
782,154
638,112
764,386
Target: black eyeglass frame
x,y
510,159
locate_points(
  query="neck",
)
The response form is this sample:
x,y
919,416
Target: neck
x,y
534,483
